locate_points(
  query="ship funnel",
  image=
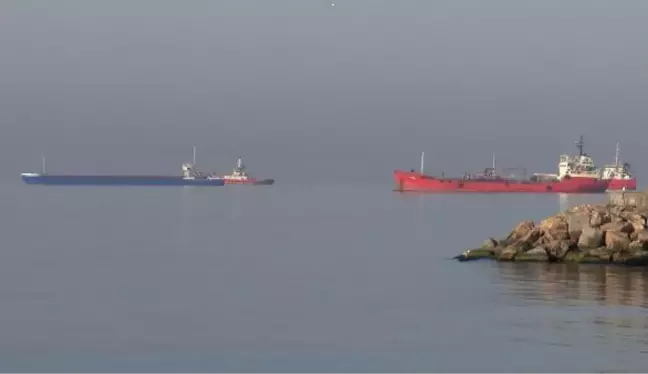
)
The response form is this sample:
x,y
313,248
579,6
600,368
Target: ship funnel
x,y
580,144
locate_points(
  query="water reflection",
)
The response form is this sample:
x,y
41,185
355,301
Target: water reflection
x,y
566,304
567,283
563,199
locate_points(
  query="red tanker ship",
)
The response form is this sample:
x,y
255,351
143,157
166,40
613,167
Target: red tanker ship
x,y
580,178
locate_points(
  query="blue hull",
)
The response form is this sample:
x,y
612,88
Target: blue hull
x,y
118,180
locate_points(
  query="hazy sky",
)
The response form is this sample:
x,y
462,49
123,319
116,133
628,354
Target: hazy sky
x,y
303,89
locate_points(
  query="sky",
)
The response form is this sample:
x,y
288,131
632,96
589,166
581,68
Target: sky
x,y
306,91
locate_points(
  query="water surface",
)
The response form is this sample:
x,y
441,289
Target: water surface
x,y
328,277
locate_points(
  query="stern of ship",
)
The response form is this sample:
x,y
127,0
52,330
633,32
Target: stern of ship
x,y
629,184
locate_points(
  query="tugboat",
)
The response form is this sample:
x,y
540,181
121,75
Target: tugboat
x,y
240,176
618,175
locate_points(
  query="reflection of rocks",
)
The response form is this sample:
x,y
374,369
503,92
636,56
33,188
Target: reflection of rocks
x,y
571,284
607,285
587,233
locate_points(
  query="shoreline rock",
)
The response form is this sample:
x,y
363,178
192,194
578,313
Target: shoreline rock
x,y
610,233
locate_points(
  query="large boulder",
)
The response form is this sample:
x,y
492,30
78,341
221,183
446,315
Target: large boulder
x,y
639,240
576,221
560,235
585,208
557,249
508,253
615,210
599,217
635,246
590,238
527,241
642,236
489,243
643,210
637,221
520,231
618,241
553,225
619,226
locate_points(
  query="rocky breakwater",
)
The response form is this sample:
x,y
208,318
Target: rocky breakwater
x,y
605,233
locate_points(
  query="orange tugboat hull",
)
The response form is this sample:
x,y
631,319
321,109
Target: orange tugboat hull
x,y
251,181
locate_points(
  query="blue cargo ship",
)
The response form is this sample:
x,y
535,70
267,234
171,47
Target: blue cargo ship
x,y
189,177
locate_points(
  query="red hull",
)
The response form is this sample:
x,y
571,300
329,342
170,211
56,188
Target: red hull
x,y
251,181
413,181
234,181
618,184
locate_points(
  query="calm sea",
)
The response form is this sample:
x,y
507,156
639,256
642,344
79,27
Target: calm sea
x,y
298,278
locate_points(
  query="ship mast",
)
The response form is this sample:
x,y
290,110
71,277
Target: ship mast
x,y
194,156
616,157
579,145
422,161
493,161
